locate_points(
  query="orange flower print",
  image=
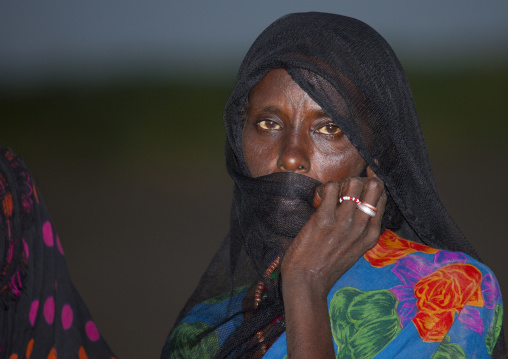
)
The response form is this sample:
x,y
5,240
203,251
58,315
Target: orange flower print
x,y
443,293
8,204
390,248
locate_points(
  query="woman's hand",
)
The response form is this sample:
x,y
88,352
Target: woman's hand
x,y
335,237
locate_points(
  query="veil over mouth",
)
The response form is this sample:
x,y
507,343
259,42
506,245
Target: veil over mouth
x,y
352,73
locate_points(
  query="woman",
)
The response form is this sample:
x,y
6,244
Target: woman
x,y
42,314
339,244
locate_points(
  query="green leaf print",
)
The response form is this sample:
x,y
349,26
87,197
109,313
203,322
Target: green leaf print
x,y
449,350
493,333
222,297
186,341
363,323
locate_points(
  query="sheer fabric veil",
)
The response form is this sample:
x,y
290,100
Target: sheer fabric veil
x,y
354,75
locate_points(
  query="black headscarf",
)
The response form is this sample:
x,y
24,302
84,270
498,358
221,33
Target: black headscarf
x,y
336,60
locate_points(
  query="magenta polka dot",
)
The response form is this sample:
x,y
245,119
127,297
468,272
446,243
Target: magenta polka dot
x,y
33,311
25,247
47,234
67,316
92,331
59,245
49,310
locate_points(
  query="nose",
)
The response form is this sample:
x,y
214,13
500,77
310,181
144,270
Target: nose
x,y
294,154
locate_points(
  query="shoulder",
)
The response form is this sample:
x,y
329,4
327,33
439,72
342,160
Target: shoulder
x,y
392,249
16,208
423,268
434,299
441,292
204,324
15,179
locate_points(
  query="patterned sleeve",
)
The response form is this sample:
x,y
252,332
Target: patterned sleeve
x,y
42,315
437,303
477,326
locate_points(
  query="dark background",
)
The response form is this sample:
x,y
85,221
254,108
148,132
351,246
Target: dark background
x,y
125,139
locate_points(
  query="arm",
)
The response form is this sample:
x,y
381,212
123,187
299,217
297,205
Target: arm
x,y
329,244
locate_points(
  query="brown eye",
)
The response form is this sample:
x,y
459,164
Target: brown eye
x,y
329,130
268,125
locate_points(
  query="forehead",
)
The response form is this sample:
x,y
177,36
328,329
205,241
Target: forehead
x,y
277,87
275,82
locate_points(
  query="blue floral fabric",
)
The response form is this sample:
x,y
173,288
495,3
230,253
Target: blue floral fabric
x,y
400,300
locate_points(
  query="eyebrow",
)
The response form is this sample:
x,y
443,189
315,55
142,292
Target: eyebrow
x,y
271,109
275,109
322,113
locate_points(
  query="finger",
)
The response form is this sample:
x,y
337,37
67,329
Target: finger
x,y
318,195
329,193
370,172
352,187
372,191
381,205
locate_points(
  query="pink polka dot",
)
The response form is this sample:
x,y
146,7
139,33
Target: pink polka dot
x,y
25,247
33,311
59,245
67,316
47,234
49,310
92,331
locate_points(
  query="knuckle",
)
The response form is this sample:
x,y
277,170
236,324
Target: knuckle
x,y
374,184
346,228
332,186
355,181
325,221
356,232
373,237
351,184
372,243
346,183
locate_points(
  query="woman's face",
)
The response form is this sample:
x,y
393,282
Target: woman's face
x,y
285,130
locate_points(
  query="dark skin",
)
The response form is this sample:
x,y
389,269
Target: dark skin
x,y
285,130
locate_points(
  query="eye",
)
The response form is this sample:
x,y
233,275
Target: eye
x,y
268,125
329,129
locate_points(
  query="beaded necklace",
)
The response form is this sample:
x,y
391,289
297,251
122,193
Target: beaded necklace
x,y
260,288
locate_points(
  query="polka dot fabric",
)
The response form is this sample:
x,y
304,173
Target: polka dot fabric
x,y
42,314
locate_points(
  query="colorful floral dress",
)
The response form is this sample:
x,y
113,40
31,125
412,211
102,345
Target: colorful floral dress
x,y
400,300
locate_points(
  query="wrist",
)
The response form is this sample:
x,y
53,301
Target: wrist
x,y
303,291
304,283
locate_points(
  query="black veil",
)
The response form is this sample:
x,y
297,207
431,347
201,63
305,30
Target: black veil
x,y
353,74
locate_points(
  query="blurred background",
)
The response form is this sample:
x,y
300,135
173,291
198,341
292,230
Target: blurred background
x,y
116,107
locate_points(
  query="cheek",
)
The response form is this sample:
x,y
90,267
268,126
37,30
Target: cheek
x,y
338,164
259,155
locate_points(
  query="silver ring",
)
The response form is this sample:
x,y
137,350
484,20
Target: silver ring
x,y
366,209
